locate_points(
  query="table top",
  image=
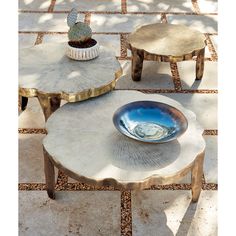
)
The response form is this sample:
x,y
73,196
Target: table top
x,y
83,142
45,68
167,39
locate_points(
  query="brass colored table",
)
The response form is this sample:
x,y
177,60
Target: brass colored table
x,y
83,142
47,73
166,43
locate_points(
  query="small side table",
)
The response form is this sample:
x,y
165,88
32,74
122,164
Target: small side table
x,y
166,43
83,142
47,73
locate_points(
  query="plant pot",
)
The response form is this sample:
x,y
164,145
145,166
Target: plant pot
x,y
82,54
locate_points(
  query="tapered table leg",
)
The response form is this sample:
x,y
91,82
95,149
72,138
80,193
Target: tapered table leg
x,y
49,103
137,64
49,175
197,172
200,64
23,102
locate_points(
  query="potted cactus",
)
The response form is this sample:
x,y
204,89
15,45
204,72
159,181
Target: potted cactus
x,y
81,45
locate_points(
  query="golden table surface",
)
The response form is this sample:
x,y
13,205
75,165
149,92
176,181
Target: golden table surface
x,y
168,43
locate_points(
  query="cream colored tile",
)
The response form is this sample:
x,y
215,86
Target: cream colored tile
x,y
72,213
208,6
44,22
26,40
187,75
31,160
159,6
120,23
155,75
211,159
88,5
164,212
205,24
34,4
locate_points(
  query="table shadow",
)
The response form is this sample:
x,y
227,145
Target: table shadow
x,y
131,154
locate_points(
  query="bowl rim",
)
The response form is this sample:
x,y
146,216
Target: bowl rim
x,y
180,113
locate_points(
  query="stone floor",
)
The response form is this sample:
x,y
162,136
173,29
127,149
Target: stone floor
x,y
86,210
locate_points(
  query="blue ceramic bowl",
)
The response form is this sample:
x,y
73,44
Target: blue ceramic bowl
x,y
149,121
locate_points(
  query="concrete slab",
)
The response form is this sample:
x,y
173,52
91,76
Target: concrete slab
x,y
207,52
31,161
57,38
88,5
32,116
205,24
72,213
26,40
109,41
168,213
155,75
203,105
214,40
187,75
163,6
208,6
211,159
34,5
44,22
121,23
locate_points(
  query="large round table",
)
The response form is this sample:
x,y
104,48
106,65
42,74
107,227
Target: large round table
x,y
83,142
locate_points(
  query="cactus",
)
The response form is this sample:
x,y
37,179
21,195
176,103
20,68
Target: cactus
x,y
79,32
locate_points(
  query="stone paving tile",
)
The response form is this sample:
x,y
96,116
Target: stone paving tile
x,y
211,160
154,75
159,6
214,40
205,24
50,38
120,22
44,22
168,213
187,75
26,40
88,5
207,52
34,4
32,116
72,213
208,6
31,161
203,105
109,41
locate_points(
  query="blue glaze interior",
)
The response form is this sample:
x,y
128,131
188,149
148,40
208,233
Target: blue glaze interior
x,y
150,121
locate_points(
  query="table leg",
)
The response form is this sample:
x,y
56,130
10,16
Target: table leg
x,y
49,103
137,64
49,175
200,64
197,172
23,102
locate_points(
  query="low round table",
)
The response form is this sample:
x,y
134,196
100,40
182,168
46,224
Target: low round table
x,y
168,43
83,142
46,72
